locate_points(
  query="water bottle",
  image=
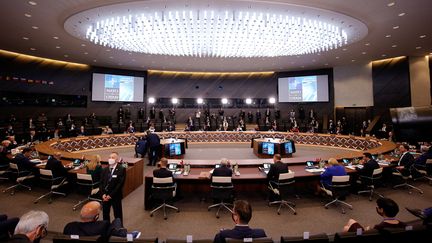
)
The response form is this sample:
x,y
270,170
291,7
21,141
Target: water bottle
x,y
321,164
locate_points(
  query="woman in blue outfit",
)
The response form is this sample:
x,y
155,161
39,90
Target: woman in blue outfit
x,y
334,169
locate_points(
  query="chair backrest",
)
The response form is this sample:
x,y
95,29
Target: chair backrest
x,y
221,179
340,185
352,237
257,240
85,177
13,166
47,173
60,238
164,180
377,172
429,161
185,241
312,238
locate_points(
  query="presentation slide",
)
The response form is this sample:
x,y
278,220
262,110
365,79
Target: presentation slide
x,y
304,89
109,87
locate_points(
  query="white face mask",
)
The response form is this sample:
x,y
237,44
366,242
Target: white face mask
x,y
111,161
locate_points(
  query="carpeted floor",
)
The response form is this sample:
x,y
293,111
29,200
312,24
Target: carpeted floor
x,y
194,219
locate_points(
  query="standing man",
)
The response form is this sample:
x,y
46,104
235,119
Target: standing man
x,y
153,142
111,187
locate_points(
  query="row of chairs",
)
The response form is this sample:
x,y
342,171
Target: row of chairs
x,y
55,183
417,233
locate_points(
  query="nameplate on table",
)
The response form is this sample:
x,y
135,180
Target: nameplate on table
x,y
204,175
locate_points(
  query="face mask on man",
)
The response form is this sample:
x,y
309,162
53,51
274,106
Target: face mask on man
x,y
111,161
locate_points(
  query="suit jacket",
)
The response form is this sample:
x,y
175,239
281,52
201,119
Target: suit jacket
x,y
141,146
276,169
112,185
56,167
406,160
20,238
222,171
153,140
162,173
87,228
368,168
23,163
239,232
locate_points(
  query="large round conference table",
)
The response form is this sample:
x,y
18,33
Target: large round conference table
x,y
197,180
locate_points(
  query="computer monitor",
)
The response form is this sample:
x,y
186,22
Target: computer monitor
x,y
77,162
217,165
266,166
345,161
268,148
309,164
172,166
174,149
289,147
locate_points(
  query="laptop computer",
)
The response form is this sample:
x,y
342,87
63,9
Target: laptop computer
x,y
172,167
310,165
266,167
346,161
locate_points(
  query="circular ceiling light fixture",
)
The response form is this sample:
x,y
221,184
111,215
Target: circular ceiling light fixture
x,y
227,29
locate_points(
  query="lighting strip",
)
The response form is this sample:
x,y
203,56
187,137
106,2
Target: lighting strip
x,y
162,72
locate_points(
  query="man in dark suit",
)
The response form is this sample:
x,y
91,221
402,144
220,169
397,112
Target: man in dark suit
x,y
153,142
406,159
23,161
369,165
91,226
273,175
242,213
111,187
162,171
224,169
55,165
141,147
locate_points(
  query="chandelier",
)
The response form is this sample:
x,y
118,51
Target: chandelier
x,y
218,31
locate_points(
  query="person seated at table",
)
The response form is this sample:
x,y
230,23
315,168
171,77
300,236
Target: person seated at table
x,y
273,175
242,214
55,165
162,171
23,161
13,143
89,225
420,162
4,160
406,159
224,169
94,168
31,137
369,165
334,169
387,209
7,226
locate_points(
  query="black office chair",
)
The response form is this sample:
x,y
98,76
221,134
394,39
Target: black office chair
x,y
115,239
20,177
339,189
366,236
405,184
318,238
222,190
86,180
423,171
163,189
60,238
4,171
256,240
280,188
55,184
371,182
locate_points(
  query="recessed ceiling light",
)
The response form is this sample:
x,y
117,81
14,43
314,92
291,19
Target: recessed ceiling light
x,y
55,37
352,60
391,4
344,49
108,50
388,36
401,14
337,57
394,46
83,45
66,55
422,36
33,49
396,27
367,44
58,47
33,3
85,53
111,57
25,38
35,27
27,15
364,53
383,55
418,47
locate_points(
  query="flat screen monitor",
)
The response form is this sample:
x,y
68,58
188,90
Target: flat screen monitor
x,y
312,88
172,167
289,147
217,165
266,166
174,149
268,148
77,162
110,87
309,164
345,161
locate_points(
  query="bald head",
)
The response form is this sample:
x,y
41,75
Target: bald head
x,y
90,211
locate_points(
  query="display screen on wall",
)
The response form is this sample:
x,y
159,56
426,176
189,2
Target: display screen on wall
x,y
312,88
110,87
